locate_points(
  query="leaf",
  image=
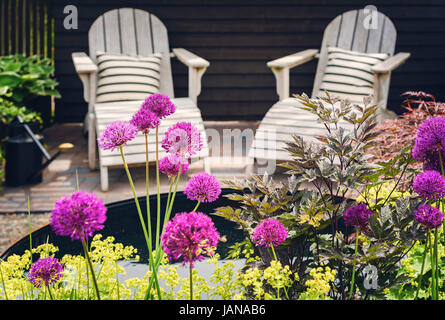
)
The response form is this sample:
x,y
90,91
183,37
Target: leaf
x,y
385,214
13,67
9,79
30,76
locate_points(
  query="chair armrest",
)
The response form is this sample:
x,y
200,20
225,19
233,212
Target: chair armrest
x,y
391,63
293,60
281,66
83,63
86,70
190,59
196,65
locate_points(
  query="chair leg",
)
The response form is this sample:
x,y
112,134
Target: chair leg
x,y
207,165
91,142
104,178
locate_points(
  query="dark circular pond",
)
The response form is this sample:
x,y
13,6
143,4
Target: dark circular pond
x,y
124,225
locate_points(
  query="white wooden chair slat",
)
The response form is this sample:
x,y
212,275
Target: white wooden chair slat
x,y
346,31
137,33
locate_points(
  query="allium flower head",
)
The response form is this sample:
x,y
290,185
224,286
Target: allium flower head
x,y
203,187
190,236
430,185
117,134
182,138
269,232
78,216
428,216
160,105
170,164
45,271
430,139
145,120
357,216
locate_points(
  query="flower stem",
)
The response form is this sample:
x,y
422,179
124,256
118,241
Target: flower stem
x,y
433,278
158,216
166,218
147,192
436,269
90,264
144,229
423,265
50,294
197,205
351,290
30,230
275,257
191,280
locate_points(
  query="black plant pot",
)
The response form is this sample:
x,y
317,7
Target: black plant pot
x,y
124,225
23,157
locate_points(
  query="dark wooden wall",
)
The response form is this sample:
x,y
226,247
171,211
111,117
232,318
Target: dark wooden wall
x,y
238,38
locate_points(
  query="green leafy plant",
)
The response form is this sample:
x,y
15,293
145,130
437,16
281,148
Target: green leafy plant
x,y
9,111
22,77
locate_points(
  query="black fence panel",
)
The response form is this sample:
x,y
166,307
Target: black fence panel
x,y
239,37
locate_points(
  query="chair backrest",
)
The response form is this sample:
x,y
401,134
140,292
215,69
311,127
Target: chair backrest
x,y
348,31
132,32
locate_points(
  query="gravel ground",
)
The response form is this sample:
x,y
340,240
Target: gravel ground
x,y
14,226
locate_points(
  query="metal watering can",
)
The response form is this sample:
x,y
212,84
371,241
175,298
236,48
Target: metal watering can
x,y
24,151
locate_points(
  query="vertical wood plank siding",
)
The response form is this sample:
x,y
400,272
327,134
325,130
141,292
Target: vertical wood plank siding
x,y
25,27
239,37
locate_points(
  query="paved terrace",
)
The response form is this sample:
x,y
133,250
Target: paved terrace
x,y
59,179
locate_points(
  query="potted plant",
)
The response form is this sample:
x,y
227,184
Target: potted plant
x,y
28,81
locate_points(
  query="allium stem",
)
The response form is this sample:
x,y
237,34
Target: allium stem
x,y
49,292
166,218
144,229
90,264
197,205
436,269
30,230
191,280
169,195
147,194
275,257
158,216
442,199
423,265
351,290
433,267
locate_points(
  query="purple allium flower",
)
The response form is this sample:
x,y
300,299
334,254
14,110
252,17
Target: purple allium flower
x,y
189,236
117,134
269,232
430,185
430,139
45,271
428,216
182,138
203,187
78,216
145,120
170,164
159,104
357,216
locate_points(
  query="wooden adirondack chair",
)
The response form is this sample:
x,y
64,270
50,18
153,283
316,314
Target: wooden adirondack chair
x,y
135,32
284,119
